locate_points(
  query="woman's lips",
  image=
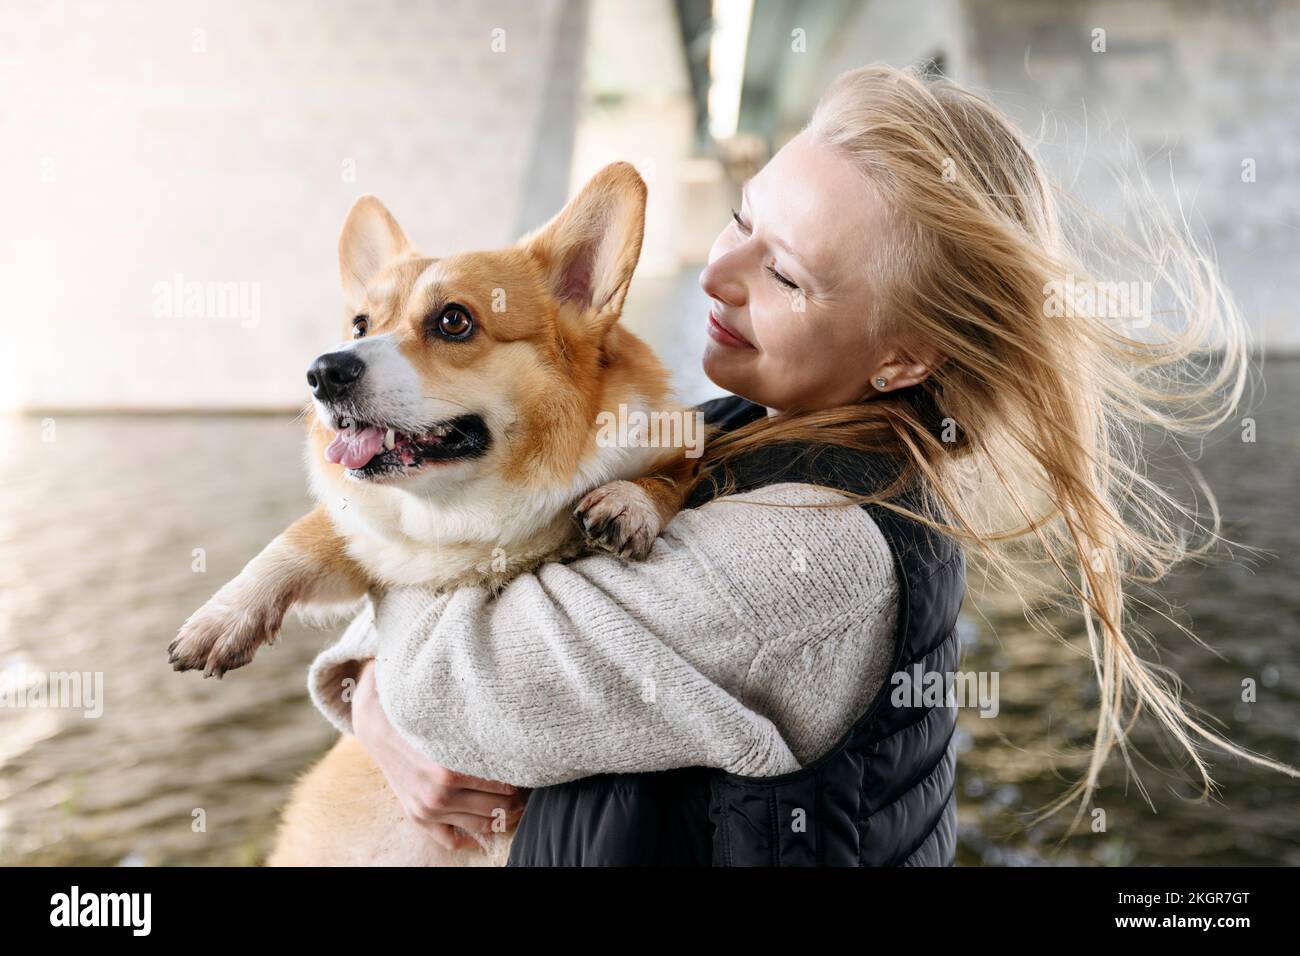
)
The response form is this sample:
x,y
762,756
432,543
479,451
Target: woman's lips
x,y
724,336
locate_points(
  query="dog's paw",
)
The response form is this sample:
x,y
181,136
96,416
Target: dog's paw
x,y
224,634
619,517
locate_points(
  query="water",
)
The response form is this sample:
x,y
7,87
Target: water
x,y
98,531
98,536
1246,607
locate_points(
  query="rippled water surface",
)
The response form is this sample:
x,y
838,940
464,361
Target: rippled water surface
x,y
99,531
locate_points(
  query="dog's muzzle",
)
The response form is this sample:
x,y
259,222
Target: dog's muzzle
x,y
334,376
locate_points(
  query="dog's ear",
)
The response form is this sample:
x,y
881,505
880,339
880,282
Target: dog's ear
x,y
589,250
371,239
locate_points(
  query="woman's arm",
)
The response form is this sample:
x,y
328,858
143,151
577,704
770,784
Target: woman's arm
x,y
448,805
749,640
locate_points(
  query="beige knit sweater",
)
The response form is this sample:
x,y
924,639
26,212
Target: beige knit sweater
x,y
750,639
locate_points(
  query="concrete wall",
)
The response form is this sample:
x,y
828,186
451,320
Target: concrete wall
x,y
1199,87
223,144
636,107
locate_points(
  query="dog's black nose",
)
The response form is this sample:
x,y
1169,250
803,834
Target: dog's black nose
x,y
332,376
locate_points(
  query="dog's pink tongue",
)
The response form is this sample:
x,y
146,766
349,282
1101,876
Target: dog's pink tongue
x,y
355,447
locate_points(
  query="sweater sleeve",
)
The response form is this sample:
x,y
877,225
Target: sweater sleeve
x,y
749,640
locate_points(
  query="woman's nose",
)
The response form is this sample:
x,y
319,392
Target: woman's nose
x,y
720,280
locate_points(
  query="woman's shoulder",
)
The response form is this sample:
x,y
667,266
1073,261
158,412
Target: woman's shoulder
x,y
730,411
789,550
783,514
837,466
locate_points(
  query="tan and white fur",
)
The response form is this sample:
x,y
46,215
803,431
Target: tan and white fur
x,y
499,426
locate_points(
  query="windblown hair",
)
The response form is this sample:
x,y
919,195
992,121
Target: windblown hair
x,y
1028,437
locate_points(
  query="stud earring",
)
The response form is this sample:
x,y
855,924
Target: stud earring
x,y
881,382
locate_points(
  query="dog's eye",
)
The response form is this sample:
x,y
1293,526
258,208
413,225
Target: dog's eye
x,y
454,322
360,326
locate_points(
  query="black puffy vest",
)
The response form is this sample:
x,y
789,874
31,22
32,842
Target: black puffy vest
x,y
882,796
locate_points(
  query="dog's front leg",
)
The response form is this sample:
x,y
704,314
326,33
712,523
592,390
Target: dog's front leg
x,y
625,517
308,563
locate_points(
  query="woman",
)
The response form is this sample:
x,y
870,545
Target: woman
x,y
899,306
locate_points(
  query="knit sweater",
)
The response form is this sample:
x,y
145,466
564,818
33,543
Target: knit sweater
x,y
749,640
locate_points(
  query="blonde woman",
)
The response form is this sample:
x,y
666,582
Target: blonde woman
x,y
915,383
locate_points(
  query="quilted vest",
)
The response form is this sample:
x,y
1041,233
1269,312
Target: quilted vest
x,y
882,796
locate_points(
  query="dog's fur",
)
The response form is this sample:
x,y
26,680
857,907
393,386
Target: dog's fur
x,y
545,357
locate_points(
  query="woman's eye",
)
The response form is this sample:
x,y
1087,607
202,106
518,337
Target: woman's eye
x,y
782,279
787,283
455,323
360,326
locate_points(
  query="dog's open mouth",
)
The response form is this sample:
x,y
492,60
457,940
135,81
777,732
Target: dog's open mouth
x,y
371,451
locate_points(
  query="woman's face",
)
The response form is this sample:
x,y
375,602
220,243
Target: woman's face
x,y
791,289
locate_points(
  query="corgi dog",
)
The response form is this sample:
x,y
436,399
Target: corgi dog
x,y
448,442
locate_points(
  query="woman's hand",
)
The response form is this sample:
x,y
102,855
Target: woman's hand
x,y
433,797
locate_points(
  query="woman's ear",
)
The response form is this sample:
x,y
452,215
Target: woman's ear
x,y
904,368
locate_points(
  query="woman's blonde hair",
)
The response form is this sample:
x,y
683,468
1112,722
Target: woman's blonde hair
x,y
1028,436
